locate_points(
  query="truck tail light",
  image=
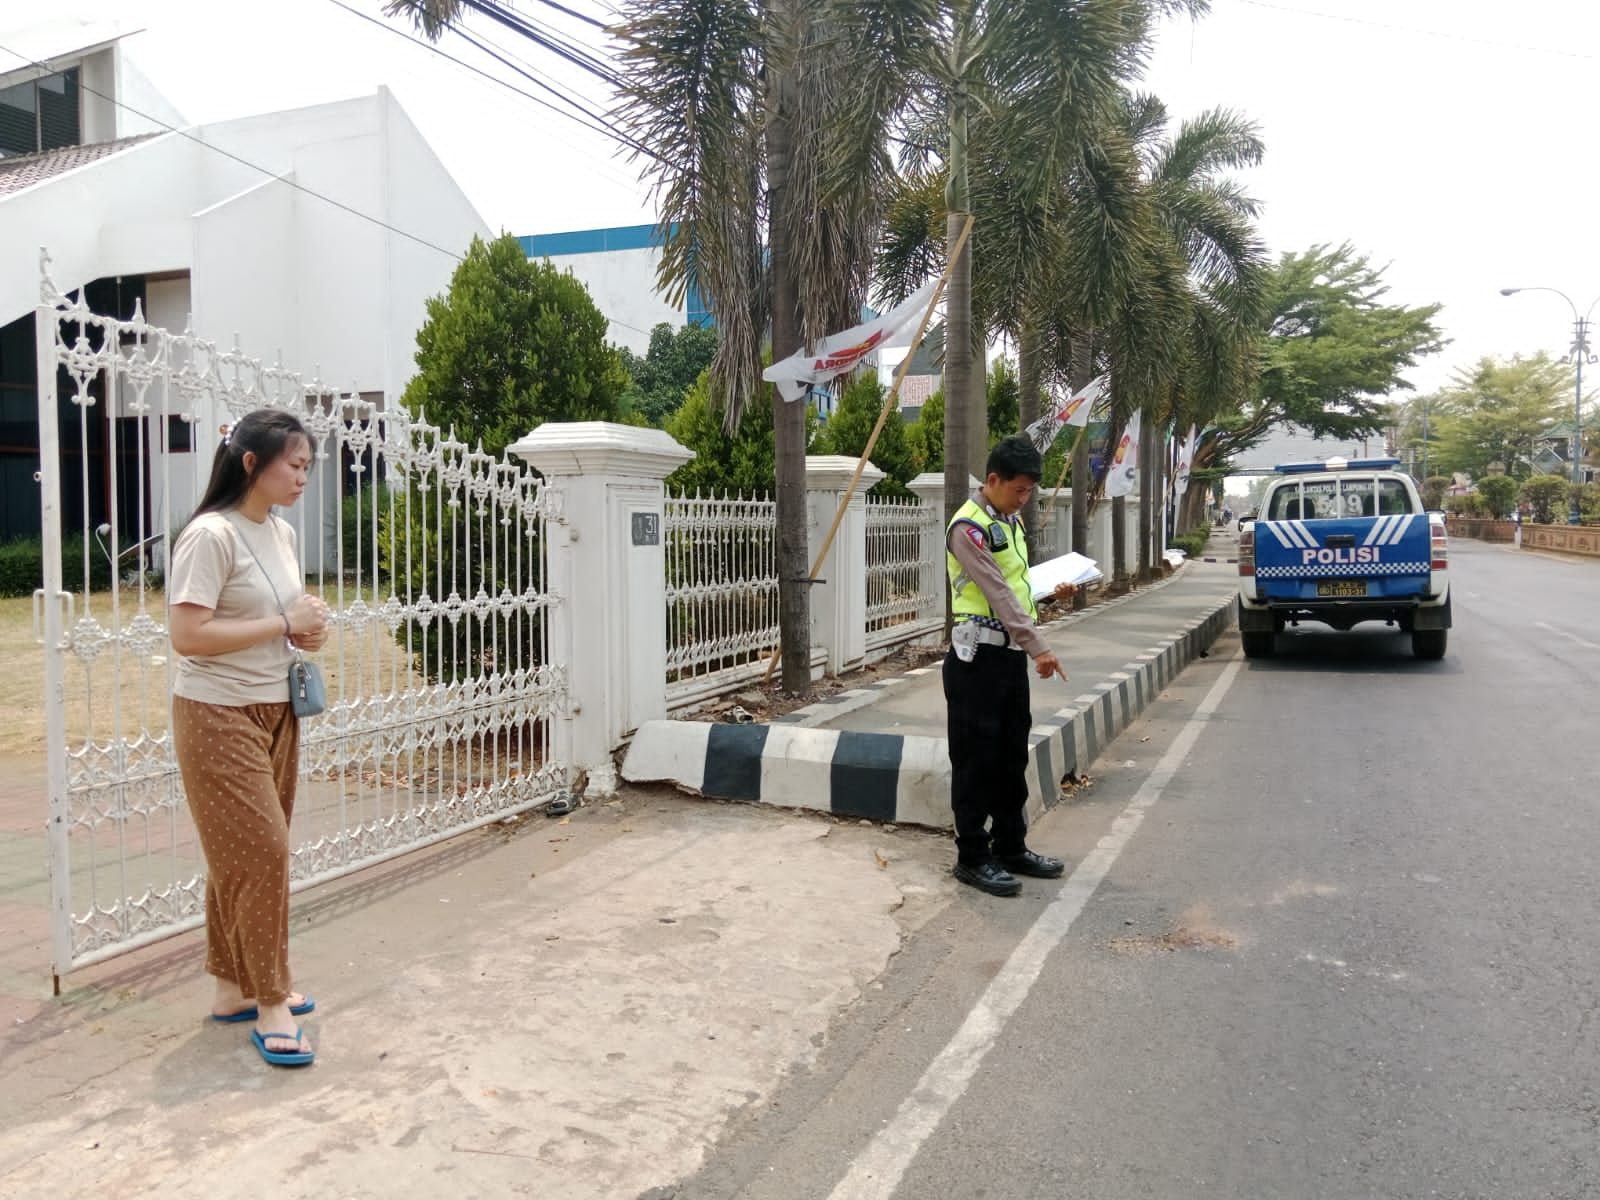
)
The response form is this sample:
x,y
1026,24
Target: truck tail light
x,y
1247,552
1441,549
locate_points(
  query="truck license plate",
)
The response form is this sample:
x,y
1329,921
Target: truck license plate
x,y
1342,587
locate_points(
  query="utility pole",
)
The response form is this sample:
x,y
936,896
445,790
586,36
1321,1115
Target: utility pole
x,y
1579,353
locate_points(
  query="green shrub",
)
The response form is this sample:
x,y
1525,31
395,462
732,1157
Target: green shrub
x,y
1588,501
1546,494
1192,544
22,566
1499,493
463,552
1470,505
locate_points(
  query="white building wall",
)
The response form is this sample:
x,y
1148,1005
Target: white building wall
x,y
623,284
97,115
340,295
177,476
340,306
243,238
144,108
419,196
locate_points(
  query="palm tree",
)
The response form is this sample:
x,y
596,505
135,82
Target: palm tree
x,y
768,195
769,118
1026,83
1203,280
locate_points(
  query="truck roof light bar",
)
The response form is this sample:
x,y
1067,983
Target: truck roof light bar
x,y
1338,464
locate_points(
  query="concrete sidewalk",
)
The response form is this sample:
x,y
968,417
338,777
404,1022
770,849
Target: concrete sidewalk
x,y
879,752
569,1008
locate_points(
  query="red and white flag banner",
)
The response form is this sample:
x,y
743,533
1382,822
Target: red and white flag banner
x,y
843,352
1074,410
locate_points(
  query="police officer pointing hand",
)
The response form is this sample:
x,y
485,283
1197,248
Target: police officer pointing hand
x,y
986,675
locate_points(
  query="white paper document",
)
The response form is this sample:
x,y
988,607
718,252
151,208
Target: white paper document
x,y
1069,568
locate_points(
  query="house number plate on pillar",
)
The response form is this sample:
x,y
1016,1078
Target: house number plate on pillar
x,y
646,529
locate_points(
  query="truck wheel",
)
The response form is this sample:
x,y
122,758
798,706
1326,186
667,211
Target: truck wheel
x,y
1258,645
1429,643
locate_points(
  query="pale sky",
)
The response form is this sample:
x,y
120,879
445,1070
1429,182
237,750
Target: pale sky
x,y
1452,140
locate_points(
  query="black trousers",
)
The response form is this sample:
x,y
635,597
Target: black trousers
x,y
988,715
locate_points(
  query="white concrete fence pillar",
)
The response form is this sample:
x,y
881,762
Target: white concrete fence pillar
x,y
606,569
929,489
1055,524
839,605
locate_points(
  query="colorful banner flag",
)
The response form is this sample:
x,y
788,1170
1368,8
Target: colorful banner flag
x,y
1074,410
1180,474
842,352
1122,477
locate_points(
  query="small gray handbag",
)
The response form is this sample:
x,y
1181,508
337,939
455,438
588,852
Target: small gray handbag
x,y
308,695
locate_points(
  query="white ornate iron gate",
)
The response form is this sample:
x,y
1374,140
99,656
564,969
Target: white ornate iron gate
x,y
442,693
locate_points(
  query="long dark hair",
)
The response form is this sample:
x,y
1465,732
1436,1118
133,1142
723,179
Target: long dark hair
x,y
266,433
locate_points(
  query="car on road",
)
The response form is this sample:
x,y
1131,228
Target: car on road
x,y
1343,542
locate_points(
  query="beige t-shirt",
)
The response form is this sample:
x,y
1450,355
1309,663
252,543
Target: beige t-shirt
x,y
212,566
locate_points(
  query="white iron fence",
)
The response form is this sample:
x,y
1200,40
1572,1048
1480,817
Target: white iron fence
x,y
722,592
905,571
442,690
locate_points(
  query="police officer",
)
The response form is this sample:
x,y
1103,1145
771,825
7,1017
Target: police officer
x,y
986,675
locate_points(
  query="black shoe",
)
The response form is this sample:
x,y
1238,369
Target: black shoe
x,y
1036,865
987,877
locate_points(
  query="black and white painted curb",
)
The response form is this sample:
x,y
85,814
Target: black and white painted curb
x,y
903,778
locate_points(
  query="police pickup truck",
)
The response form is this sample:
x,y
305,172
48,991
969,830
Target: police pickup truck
x,y
1341,542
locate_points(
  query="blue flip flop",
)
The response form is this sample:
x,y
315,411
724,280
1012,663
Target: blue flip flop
x,y
281,1058
251,1013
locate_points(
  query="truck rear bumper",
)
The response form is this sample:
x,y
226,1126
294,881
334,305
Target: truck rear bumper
x,y
1407,612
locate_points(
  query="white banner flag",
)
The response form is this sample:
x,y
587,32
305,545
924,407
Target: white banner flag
x,y
1074,410
1180,476
1122,476
841,352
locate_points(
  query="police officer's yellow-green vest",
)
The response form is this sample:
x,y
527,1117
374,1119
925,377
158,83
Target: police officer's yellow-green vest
x,y
967,598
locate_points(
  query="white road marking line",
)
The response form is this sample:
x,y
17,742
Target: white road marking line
x,y
879,1168
1569,636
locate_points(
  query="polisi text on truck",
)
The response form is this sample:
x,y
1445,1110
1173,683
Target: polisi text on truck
x,y
1354,554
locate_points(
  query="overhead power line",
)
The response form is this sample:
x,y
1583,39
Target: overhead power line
x,y
594,123
524,26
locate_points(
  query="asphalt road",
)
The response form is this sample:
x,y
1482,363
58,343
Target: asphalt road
x,y
1328,932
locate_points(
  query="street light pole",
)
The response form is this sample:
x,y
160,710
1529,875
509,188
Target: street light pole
x,y
1580,355
1425,407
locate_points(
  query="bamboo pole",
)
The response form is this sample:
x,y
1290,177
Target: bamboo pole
x,y
883,417
1066,465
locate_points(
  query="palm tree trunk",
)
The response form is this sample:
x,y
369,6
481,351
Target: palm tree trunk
x,y
1119,545
958,423
788,420
1147,493
1082,484
1028,406
959,410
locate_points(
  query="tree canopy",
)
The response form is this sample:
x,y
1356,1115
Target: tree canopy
x,y
1493,412
510,345
668,369
851,424
1334,352
742,462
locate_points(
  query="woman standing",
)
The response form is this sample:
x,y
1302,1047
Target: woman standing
x,y
237,612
